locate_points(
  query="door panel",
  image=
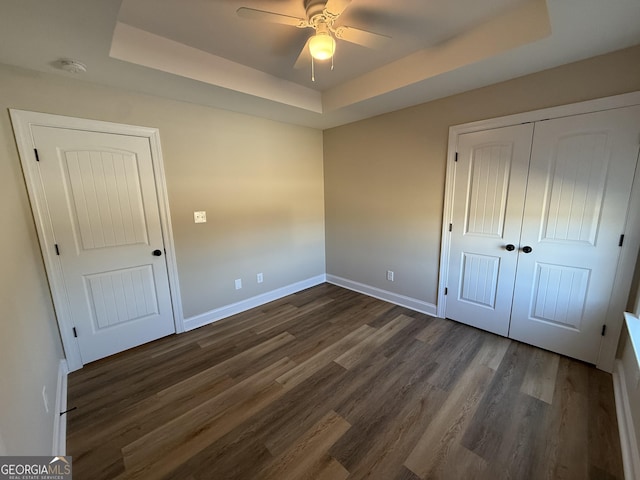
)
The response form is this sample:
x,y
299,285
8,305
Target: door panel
x,y
121,296
579,185
106,196
490,182
559,294
575,186
101,196
479,279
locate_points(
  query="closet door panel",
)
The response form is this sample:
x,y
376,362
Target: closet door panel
x,y
490,181
578,189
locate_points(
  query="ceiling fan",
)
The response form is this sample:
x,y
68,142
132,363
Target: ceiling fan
x,y
321,16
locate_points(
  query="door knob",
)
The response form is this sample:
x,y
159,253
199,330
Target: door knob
x,y
156,253
510,247
527,249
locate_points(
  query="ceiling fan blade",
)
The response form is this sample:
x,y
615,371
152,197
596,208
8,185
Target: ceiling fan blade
x,y
336,7
253,14
304,58
361,37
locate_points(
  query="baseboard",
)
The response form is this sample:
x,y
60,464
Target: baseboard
x,y
60,421
253,302
628,440
402,300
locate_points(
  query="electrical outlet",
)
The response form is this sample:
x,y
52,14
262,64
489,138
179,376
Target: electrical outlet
x,y
200,217
238,283
45,398
390,275
259,278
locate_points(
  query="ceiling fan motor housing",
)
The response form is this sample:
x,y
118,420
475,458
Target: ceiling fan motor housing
x,y
314,8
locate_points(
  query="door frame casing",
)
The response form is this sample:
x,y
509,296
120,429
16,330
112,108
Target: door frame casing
x,y
23,121
629,250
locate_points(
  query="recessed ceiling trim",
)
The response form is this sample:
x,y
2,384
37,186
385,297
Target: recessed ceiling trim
x,y
525,24
143,48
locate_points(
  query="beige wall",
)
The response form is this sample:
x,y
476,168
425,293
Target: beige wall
x,y
385,176
260,181
30,348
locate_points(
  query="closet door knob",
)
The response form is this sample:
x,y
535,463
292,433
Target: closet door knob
x,y
527,249
510,247
156,253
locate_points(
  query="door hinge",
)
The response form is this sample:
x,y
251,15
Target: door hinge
x,y
57,249
35,150
621,241
456,157
450,227
75,332
446,291
604,330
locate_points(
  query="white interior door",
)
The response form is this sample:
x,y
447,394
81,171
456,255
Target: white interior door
x,y
102,202
490,187
580,179
558,191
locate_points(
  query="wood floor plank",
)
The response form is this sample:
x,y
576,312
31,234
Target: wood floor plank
x,y
516,453
406,367
604,456
308,457
205,378
277,321
145,462
384,457
329,384
303,371
281,423
540,379
487,427
431,455
147,415
293,414
369,344
372,422
492,351
169,445
434,330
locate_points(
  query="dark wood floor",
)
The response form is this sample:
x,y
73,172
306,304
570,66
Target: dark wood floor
x,y
330,384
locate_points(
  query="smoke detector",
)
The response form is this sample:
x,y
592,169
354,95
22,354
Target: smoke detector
x,y
72,66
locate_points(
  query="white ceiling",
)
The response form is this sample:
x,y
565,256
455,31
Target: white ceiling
x,y
200,51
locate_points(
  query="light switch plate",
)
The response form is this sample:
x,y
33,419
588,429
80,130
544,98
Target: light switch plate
x,y
200,217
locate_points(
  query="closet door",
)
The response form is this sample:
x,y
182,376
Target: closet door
x,y
578,191
490,182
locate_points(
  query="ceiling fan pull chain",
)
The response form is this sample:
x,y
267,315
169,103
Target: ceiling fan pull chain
x,y
313,72
332,62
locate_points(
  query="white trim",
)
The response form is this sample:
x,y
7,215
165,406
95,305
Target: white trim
x,y
22,122
60,421
167,230
626,264
623,279
447,218
395,298
253,302
628,440
633,329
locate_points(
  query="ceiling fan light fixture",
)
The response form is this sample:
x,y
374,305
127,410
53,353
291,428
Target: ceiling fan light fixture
x,y
322,46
